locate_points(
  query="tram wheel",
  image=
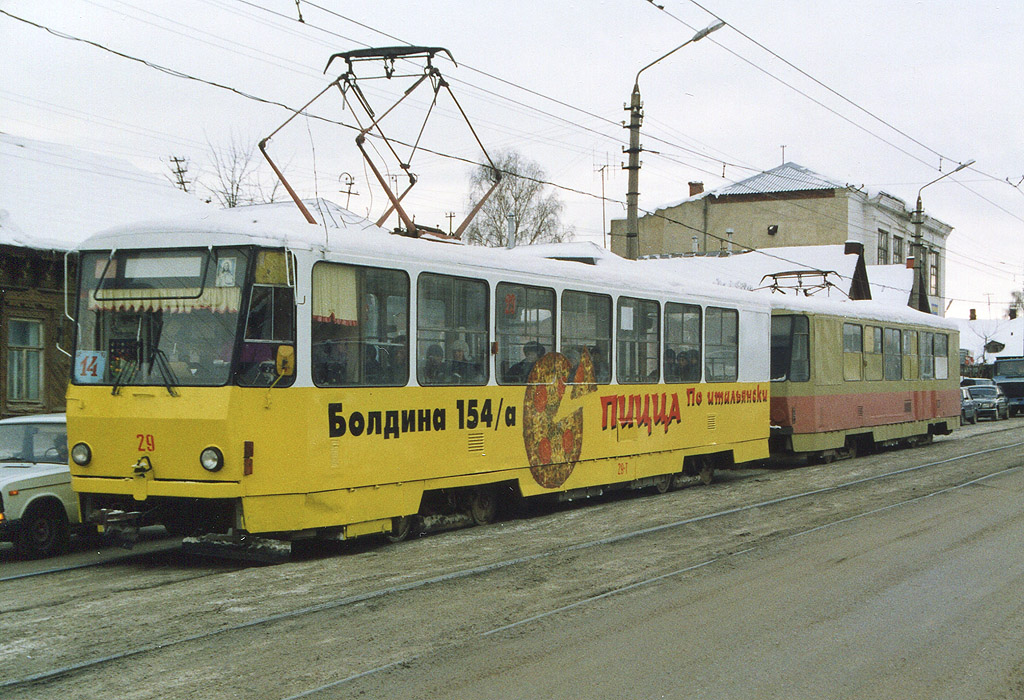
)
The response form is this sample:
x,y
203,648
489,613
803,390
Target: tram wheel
x,y
401,528
663,483
483,506
707,474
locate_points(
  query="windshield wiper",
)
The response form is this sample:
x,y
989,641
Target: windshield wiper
x,y
125,376
170,379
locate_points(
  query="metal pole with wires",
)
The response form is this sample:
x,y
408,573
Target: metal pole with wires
x,y
635,118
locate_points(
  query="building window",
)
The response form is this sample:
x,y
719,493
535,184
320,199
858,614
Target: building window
x,y
933,273
24,360
883,246
897,251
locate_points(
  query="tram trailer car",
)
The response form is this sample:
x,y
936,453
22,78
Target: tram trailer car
x,y
246,374
851,376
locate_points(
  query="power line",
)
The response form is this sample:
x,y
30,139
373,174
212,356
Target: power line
x,y
180,74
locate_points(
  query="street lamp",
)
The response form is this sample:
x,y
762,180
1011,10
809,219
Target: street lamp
x,y
919,287
635,117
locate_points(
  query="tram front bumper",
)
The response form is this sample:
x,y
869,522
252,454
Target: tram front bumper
x,y
142,487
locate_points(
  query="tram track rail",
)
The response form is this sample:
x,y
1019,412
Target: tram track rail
x,y
54,674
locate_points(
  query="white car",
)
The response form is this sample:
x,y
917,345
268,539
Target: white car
x,y
38,509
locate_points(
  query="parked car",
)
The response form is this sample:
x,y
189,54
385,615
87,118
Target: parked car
x,y
990,400
38,509
976,381
968,407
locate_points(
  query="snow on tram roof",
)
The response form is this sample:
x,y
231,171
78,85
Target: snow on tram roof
x,y
862,310
342,232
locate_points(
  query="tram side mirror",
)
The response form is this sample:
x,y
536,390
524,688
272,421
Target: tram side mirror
x,y
285,360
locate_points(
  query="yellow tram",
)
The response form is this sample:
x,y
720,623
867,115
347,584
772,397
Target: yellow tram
x,y
243,374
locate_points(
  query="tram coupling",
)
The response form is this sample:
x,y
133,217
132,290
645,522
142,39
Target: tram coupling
x,y
239,545
119,526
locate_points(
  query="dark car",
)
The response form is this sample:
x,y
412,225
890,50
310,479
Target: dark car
x,y
968,407
990,401
976,381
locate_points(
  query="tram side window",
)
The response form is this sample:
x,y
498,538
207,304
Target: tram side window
x,y
587,327
941,356
682,342
525,329
638,341
270,323
873,366
891,350
360,332
721,349
451,330
790,349
910,361
927,355
853,352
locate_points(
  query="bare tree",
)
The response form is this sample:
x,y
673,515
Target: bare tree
x,y
236,176
1016,304
521,193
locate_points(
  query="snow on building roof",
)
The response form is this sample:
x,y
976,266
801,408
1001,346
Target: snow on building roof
x,y
891,283
788,177
53,196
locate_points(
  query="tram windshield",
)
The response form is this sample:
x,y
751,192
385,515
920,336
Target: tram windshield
x,y
172,318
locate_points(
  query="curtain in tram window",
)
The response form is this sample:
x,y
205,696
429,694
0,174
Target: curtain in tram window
x,y
335,295
218,299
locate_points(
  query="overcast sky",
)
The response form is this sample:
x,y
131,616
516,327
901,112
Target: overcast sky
x,y
875,93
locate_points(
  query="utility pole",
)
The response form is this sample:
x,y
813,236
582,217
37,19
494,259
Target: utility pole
x,y
450,215
179,167
604,235
919,288
635,118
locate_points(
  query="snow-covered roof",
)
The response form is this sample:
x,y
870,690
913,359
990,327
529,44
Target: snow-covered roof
x,y
340,234
53,196
749,270
580,251
788,177
865,310
891,283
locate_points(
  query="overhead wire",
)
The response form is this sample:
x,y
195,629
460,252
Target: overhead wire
x,y
248,95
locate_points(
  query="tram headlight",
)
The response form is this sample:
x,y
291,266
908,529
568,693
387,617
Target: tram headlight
x,y
212,459
81,454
